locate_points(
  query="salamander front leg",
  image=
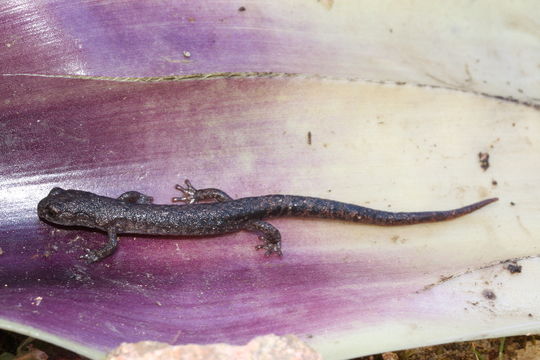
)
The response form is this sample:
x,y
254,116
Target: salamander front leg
x,y
270,236
92,256
192,195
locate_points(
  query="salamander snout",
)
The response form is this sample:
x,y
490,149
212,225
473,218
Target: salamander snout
x,y
50,208
69,207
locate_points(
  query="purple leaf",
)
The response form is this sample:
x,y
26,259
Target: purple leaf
x,y
453,47
341,287
112,137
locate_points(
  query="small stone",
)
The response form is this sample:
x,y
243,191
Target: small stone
x,y
286,347
390,356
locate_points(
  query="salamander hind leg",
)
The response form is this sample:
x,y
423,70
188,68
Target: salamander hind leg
x,y
269,235
192,195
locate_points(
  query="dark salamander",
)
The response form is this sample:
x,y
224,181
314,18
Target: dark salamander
x,y
134,213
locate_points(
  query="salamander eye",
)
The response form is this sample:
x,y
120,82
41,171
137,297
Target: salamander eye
x,y
53,210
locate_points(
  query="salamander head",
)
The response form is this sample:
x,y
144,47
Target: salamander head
x,y
67,207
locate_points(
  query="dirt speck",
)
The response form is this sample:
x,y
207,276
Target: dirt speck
x,y
484,160
309,137
514,268
489,294
242,8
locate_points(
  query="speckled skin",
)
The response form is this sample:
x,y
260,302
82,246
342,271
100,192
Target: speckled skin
x,y
134,213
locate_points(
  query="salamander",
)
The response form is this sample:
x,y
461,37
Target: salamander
x,y
212,212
